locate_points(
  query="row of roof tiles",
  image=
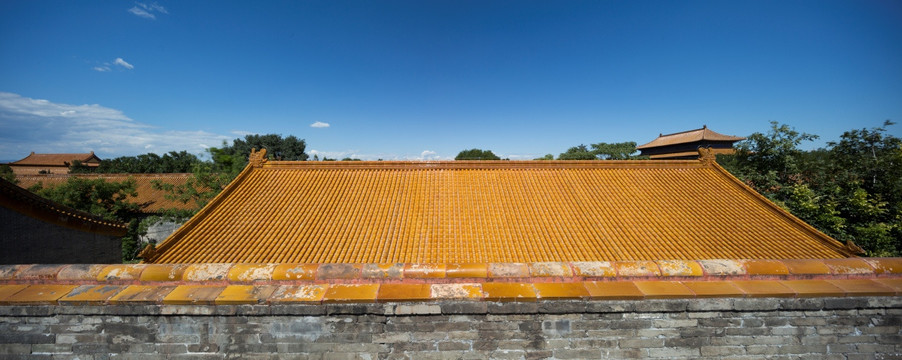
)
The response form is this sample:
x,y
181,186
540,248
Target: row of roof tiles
x,y
349,273
225,284
105,294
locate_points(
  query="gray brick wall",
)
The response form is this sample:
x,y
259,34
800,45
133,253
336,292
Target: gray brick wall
x,y
823,328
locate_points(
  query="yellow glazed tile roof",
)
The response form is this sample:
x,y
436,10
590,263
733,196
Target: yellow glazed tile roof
x,y
489,211
689,136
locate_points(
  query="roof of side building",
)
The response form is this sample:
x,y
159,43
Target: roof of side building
x,y
152,200
54,159
489,211
29,204
688,137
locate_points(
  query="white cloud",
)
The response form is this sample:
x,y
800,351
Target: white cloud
x,y
319,124
147,10
427,154
123,63
102,68
141,12
37,125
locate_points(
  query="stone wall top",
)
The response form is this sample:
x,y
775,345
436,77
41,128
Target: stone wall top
x,y
229,284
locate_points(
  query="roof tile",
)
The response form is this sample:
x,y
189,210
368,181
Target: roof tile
x,y
471,270
707,289
295,272
245,294
764,288
193,294
505,291
91,294
142,294
299,294
339,293
664,289
552,291
39,294
456,291
813,288
404,292
613,290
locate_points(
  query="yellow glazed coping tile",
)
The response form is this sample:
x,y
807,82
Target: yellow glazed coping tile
x,y
594,268
862,287
404,292
813,288
613,290
714,289
193,294
39,271
894,284
39,294
552,291
295,272
456,291
764,288
8,290
91,294
848,266
424,271
121,272
550,269
720,267
339,271
206,272
504,291
142,294
664,289
637,268
342,293
507,270
885,265
383,271
299,294
251,272
470,270
8,272
680,268
80,272
806,266
245,294
163,272
766,267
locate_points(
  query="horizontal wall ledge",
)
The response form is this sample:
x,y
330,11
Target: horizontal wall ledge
x,y
275,284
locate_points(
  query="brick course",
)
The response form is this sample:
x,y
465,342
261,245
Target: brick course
x,y
824,328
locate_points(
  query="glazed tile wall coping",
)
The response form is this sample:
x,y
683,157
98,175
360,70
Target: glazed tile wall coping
x,y
230,284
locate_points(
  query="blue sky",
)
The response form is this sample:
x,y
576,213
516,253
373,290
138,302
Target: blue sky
x,y
426,79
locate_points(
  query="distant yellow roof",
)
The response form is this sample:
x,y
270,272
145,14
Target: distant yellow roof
x,y
690,136
489,211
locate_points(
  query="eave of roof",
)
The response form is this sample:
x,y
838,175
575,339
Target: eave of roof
x,y
690,136
490,211
29,204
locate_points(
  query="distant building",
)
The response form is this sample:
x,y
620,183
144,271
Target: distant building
x,y
34,164
684,145
37,230
151,199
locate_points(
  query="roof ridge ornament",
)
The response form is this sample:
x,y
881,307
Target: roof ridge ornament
x,y
853,248
257,158
706,155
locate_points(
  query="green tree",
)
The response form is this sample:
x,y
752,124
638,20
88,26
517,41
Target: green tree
x,y
546,157
172,162
852,190
6,173
580,152
476,154
615,151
